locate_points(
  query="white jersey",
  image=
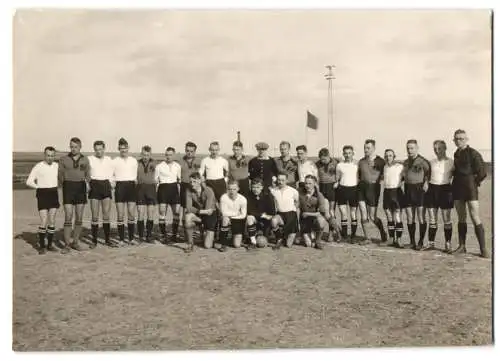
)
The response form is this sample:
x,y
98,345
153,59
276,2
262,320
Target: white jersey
x,y
125,169
43,175
101,168
393,175
305,169
214,168
233,208
347,173
286,198
168,173
441,171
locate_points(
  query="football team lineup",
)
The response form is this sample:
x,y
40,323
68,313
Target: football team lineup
x,y
243,201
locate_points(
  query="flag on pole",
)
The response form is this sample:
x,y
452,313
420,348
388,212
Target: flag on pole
x,y
312,120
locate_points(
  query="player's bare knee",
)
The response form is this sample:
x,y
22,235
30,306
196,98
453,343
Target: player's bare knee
x,y
226,221
250,220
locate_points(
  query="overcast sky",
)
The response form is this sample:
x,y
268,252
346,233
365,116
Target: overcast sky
x,y
165,77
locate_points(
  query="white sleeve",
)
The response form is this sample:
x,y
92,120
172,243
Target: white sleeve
x,y
31,181
157,173
243,209
202,168
315,170
136,167
338,172
179,172
223,207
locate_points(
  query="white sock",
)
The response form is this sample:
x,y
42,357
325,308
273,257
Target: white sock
x,y
253,240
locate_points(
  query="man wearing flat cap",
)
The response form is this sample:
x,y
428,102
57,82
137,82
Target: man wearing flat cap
x,y
263,166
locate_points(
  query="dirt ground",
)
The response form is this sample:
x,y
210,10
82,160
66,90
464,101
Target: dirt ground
x,y
157,297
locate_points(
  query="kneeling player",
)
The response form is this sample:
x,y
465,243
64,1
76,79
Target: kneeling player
x,y
233,207
43,177
200,210
393,197
285,222
312,207
260,211
439,195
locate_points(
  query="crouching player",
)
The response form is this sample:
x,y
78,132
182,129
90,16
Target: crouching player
x,y
260,211
285,222
312,207
43,178
233,207
200,210
393,196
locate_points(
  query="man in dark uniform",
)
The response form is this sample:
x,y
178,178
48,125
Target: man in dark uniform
x,y
200,210
416,173
238,168
469,172
189,164
312,207
263,166
286,164
260,211
74,174
327,177
146,194
370,170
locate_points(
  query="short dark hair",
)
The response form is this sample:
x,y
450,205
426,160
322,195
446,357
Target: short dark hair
x,y
390,150
233,181
346,147
170,149
99,142
146,148
76,140
49,148
257,181
191,145
195,175
411,141
122,142
310,176
237,143
370,141
282,173
284,142
439,141
323,152
459,131
301,147
214,143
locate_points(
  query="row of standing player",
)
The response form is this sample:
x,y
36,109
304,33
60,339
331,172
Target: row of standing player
x,y
414,184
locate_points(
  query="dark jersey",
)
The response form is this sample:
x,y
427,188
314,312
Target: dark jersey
x,y
264,169
371,170
416,170
257,205
469,162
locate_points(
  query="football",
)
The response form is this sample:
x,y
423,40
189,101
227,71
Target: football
x,y
261,241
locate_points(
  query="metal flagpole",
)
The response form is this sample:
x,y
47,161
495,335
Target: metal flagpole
x,y
329,76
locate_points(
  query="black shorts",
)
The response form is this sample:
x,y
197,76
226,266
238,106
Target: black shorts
x,y
244,185
99,189
168,193
209,222
414,195
74,192
309,224
347,195
290,222
125,192
238,226
328,191
464,188
47,198
146,194
369,193
184,187
393,198
263,225
439,196
218,186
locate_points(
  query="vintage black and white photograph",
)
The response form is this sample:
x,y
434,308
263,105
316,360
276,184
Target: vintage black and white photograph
x,y
251,179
